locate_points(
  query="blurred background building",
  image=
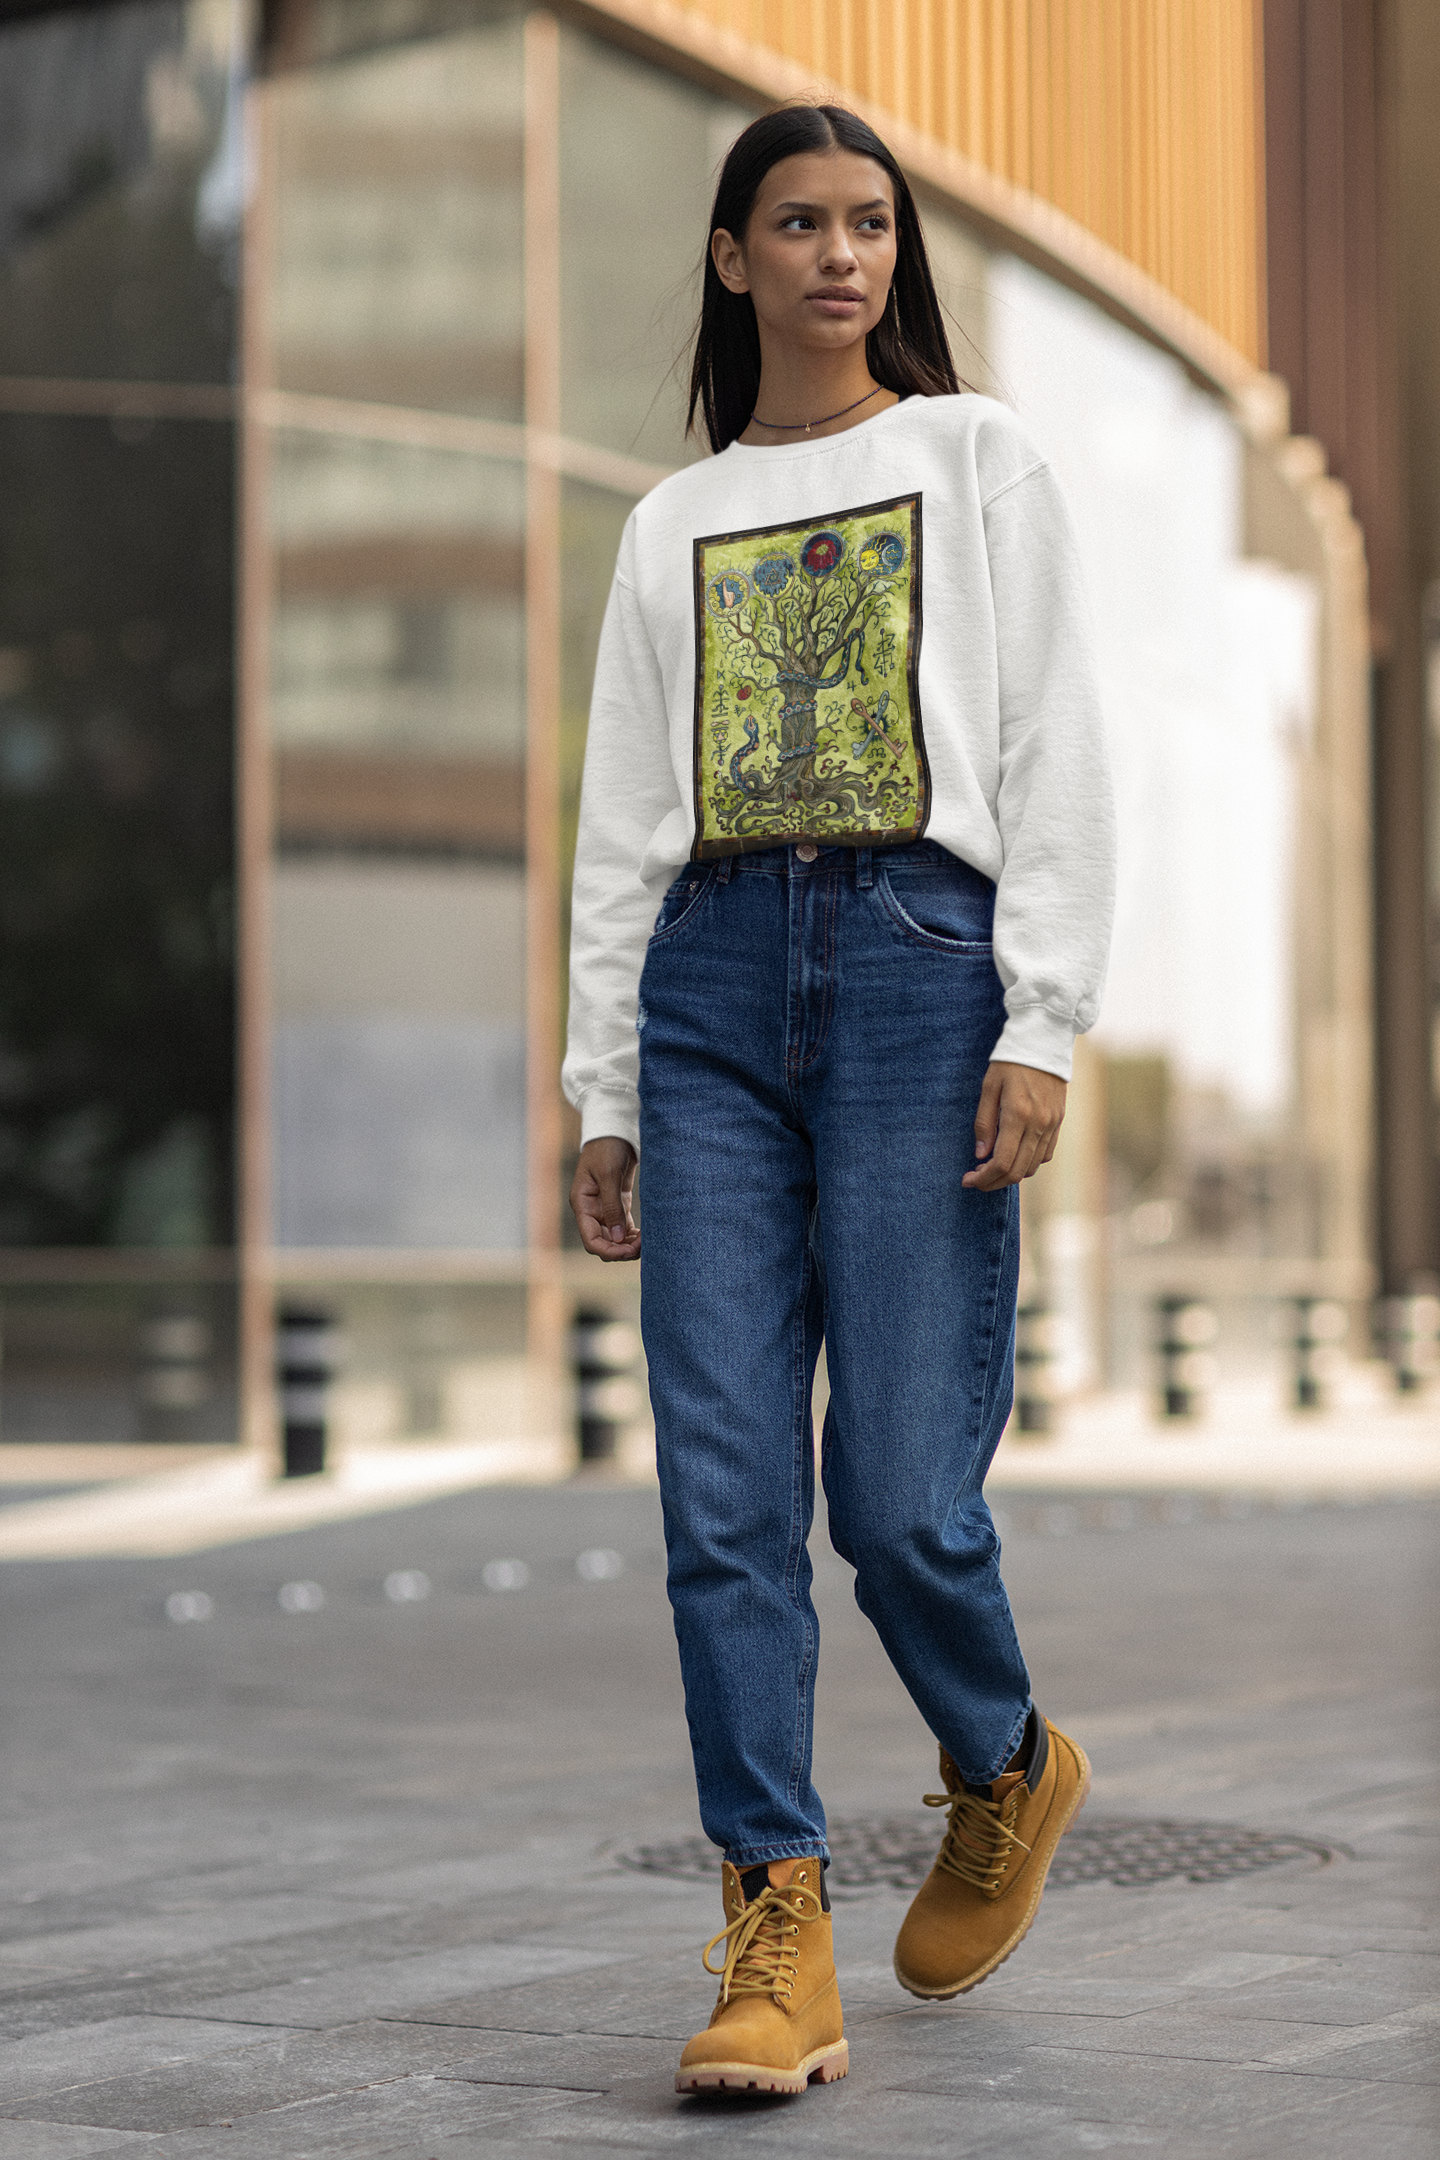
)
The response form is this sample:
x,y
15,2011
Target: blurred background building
x,y
337,341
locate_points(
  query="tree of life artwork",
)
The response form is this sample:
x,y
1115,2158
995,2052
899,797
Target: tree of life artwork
x,y
807,709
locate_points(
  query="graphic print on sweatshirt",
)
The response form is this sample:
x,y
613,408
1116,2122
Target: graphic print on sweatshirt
x,y
807,706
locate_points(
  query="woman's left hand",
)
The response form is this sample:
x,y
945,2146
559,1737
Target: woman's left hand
x,y
1016,1127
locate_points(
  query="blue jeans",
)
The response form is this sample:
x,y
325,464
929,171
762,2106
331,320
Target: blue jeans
x,y
813,1038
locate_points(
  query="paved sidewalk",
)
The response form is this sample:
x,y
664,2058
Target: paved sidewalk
x,y
1368,1441
340,1873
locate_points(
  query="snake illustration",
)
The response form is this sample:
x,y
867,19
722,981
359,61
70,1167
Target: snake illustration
x,y
750,744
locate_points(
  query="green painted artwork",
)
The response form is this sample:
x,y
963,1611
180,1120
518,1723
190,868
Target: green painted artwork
x,y
807,709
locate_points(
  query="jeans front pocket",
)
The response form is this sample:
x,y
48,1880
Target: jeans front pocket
x,y
683,898
945,908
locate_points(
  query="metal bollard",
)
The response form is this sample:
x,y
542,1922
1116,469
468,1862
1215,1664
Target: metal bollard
x,y
1034,1359
604,1352
1320,1326
306,1357
1410,1328
175,1356
1186,1325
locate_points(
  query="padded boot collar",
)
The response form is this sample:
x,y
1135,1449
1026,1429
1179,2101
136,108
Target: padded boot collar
x,y
1034,1753
753,1880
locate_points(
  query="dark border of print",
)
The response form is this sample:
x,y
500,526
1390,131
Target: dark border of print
x,y
757,843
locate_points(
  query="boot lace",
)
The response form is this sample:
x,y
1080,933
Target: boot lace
x,y
979,1837
762,1951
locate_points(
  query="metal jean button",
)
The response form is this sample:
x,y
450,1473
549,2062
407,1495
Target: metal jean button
x,y
807,851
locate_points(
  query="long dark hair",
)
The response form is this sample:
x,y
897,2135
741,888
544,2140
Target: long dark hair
x,y
907,351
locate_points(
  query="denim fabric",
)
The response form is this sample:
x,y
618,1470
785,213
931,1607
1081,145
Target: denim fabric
x,y
813,1038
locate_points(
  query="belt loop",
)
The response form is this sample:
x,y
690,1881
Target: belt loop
x,y
864,876
724,869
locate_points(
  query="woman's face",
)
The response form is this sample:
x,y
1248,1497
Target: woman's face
x,y
818,253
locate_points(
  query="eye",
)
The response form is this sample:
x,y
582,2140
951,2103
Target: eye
x,y
796,221
876,222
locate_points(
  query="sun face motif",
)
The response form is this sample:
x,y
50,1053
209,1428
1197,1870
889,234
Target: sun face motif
x,y
774,574
882,556
821,553
728,591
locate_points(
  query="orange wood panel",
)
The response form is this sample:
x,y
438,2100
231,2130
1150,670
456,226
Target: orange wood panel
x,y
1138,118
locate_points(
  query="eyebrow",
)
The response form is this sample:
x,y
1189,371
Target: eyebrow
x,y
876,202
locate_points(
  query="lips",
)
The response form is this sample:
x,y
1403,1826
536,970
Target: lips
x,y
837,299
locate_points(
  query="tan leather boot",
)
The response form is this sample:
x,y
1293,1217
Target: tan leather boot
x,y
776,2025
984,1890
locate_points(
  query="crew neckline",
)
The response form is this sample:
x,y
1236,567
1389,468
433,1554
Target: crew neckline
x,y
810,445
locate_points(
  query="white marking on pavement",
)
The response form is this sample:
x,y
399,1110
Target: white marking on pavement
x,y
188,1605
407,1586
505,1575
298,1597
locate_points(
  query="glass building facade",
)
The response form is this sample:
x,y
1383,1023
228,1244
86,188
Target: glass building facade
x,y
334,351
327,380
119,267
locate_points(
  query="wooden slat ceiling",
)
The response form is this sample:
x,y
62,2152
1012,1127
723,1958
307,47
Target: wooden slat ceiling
x,y
1137,118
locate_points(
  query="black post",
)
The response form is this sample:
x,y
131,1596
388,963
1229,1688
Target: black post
x,y
1034,1355
174,1381
305,1351
1185,1326
1410,1328
604,1352
1320,1326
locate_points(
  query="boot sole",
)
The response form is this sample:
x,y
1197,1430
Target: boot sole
x,y
821,2067
948,1994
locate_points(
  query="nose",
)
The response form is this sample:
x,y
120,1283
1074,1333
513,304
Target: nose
x,y
839,256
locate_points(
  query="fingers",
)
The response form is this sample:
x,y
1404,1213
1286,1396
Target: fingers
x,y
1016,1126
987,1117
1013,1156
600,1199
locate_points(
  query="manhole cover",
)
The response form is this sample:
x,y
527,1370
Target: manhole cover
x,y
894,1852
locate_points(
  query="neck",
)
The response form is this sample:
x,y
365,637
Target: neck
x,y
812,387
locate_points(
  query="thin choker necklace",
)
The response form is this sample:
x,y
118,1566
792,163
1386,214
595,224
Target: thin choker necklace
x,y
792,427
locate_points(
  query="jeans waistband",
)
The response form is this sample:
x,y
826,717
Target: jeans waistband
x,y
783,861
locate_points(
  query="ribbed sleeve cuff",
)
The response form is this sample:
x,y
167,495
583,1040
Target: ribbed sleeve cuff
x,y
1036,1036
604,1115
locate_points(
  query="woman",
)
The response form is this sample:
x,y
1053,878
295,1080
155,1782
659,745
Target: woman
x,y
845,731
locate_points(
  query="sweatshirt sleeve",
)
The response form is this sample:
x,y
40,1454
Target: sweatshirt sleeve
x,y
629,787
1055,896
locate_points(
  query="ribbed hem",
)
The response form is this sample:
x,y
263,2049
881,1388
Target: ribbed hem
x,y
605,1116
1036,1036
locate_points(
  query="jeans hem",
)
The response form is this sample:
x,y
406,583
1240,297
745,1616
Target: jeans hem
x,y
988,1777
760,1855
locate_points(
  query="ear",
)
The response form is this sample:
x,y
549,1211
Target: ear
x,y
729,259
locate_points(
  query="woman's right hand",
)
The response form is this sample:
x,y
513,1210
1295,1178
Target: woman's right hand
x,y
600,1199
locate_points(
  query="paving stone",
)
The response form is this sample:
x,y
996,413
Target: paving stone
x,y
49,2062
580,2062
265,2074
399,1983
658,1997
1220,2098
1351,1990
177,1934
65,2141
409,2119
1079,1995
849,2118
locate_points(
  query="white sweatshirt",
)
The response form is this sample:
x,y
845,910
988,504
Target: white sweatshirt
x,y
767,673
